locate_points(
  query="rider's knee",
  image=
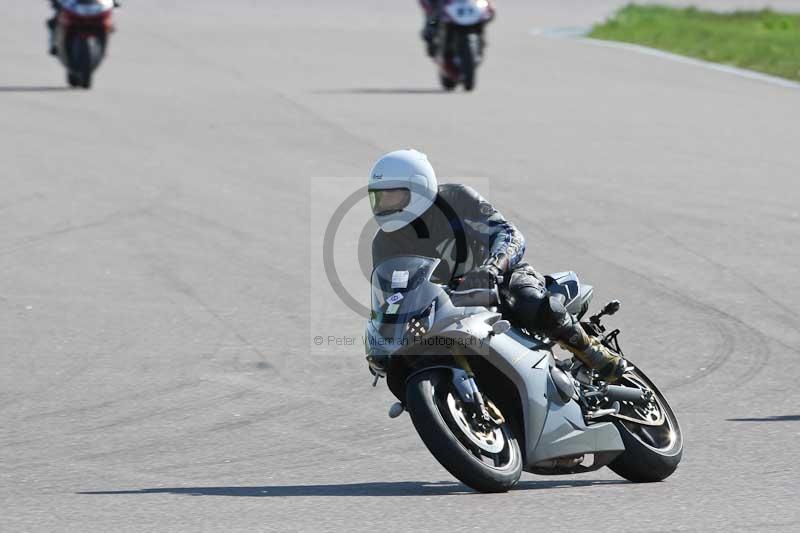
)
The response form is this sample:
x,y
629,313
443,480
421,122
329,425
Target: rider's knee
x,y
524,304
533,307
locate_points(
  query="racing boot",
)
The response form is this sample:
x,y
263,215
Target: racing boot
x,y
591,352
571,336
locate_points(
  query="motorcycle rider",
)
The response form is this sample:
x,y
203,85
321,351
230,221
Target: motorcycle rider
x,y
51,24
433,10
475,242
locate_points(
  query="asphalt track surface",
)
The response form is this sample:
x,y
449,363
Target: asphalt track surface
x,y
158,245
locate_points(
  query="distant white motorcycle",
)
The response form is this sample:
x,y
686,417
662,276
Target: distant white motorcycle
x,y
459,41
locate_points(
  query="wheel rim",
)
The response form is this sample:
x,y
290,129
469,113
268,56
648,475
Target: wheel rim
x,y
491,440
654,425
493,448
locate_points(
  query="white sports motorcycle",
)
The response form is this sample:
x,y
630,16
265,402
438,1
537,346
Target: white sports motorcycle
x,y
459,41
490,400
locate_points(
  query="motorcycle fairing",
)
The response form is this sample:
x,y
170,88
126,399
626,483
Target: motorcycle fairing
x,y
553,428
87,8
467,12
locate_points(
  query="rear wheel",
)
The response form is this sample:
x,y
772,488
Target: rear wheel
x,y
486,459
651,434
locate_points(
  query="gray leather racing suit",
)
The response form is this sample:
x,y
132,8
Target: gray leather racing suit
x,y
462,229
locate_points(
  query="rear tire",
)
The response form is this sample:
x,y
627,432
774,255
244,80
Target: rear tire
x,y
427,402
652,453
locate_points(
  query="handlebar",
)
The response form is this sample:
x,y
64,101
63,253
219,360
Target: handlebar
x,y
475,297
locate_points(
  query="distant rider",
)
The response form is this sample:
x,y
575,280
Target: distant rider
x,y
51,25
433,12
475,242
432,9
51,22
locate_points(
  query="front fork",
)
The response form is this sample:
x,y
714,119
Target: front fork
x,y
446,53
464,382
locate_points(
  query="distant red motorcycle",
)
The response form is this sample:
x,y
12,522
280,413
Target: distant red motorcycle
x,y
81,36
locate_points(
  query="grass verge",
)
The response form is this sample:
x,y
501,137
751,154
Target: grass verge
x,y
764,40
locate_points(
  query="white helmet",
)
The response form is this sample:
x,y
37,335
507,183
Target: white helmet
x,y
402,186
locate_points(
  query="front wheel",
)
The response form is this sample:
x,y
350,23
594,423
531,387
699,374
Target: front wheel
x,y
651,434
85,55
467,59
486,459
448,84
86,80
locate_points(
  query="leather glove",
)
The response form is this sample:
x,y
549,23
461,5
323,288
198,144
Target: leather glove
x,y
484,277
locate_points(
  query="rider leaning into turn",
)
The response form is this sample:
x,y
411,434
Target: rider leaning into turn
x,y
454,223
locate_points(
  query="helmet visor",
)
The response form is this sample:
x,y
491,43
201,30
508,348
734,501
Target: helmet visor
x,y
387,201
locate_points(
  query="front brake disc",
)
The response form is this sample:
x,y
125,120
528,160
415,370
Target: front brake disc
x,y
491,441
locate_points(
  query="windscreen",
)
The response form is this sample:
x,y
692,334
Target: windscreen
x,y
403,298
401,287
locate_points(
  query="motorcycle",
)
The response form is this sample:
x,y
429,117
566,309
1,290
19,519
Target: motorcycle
x,y
490,400
81,37
459,41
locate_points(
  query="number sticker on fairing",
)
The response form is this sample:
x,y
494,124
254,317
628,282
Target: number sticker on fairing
x,y
400,279
394,298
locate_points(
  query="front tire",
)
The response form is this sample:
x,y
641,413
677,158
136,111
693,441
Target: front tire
x,y
467,61
448,84
652,450
85,55
433,403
